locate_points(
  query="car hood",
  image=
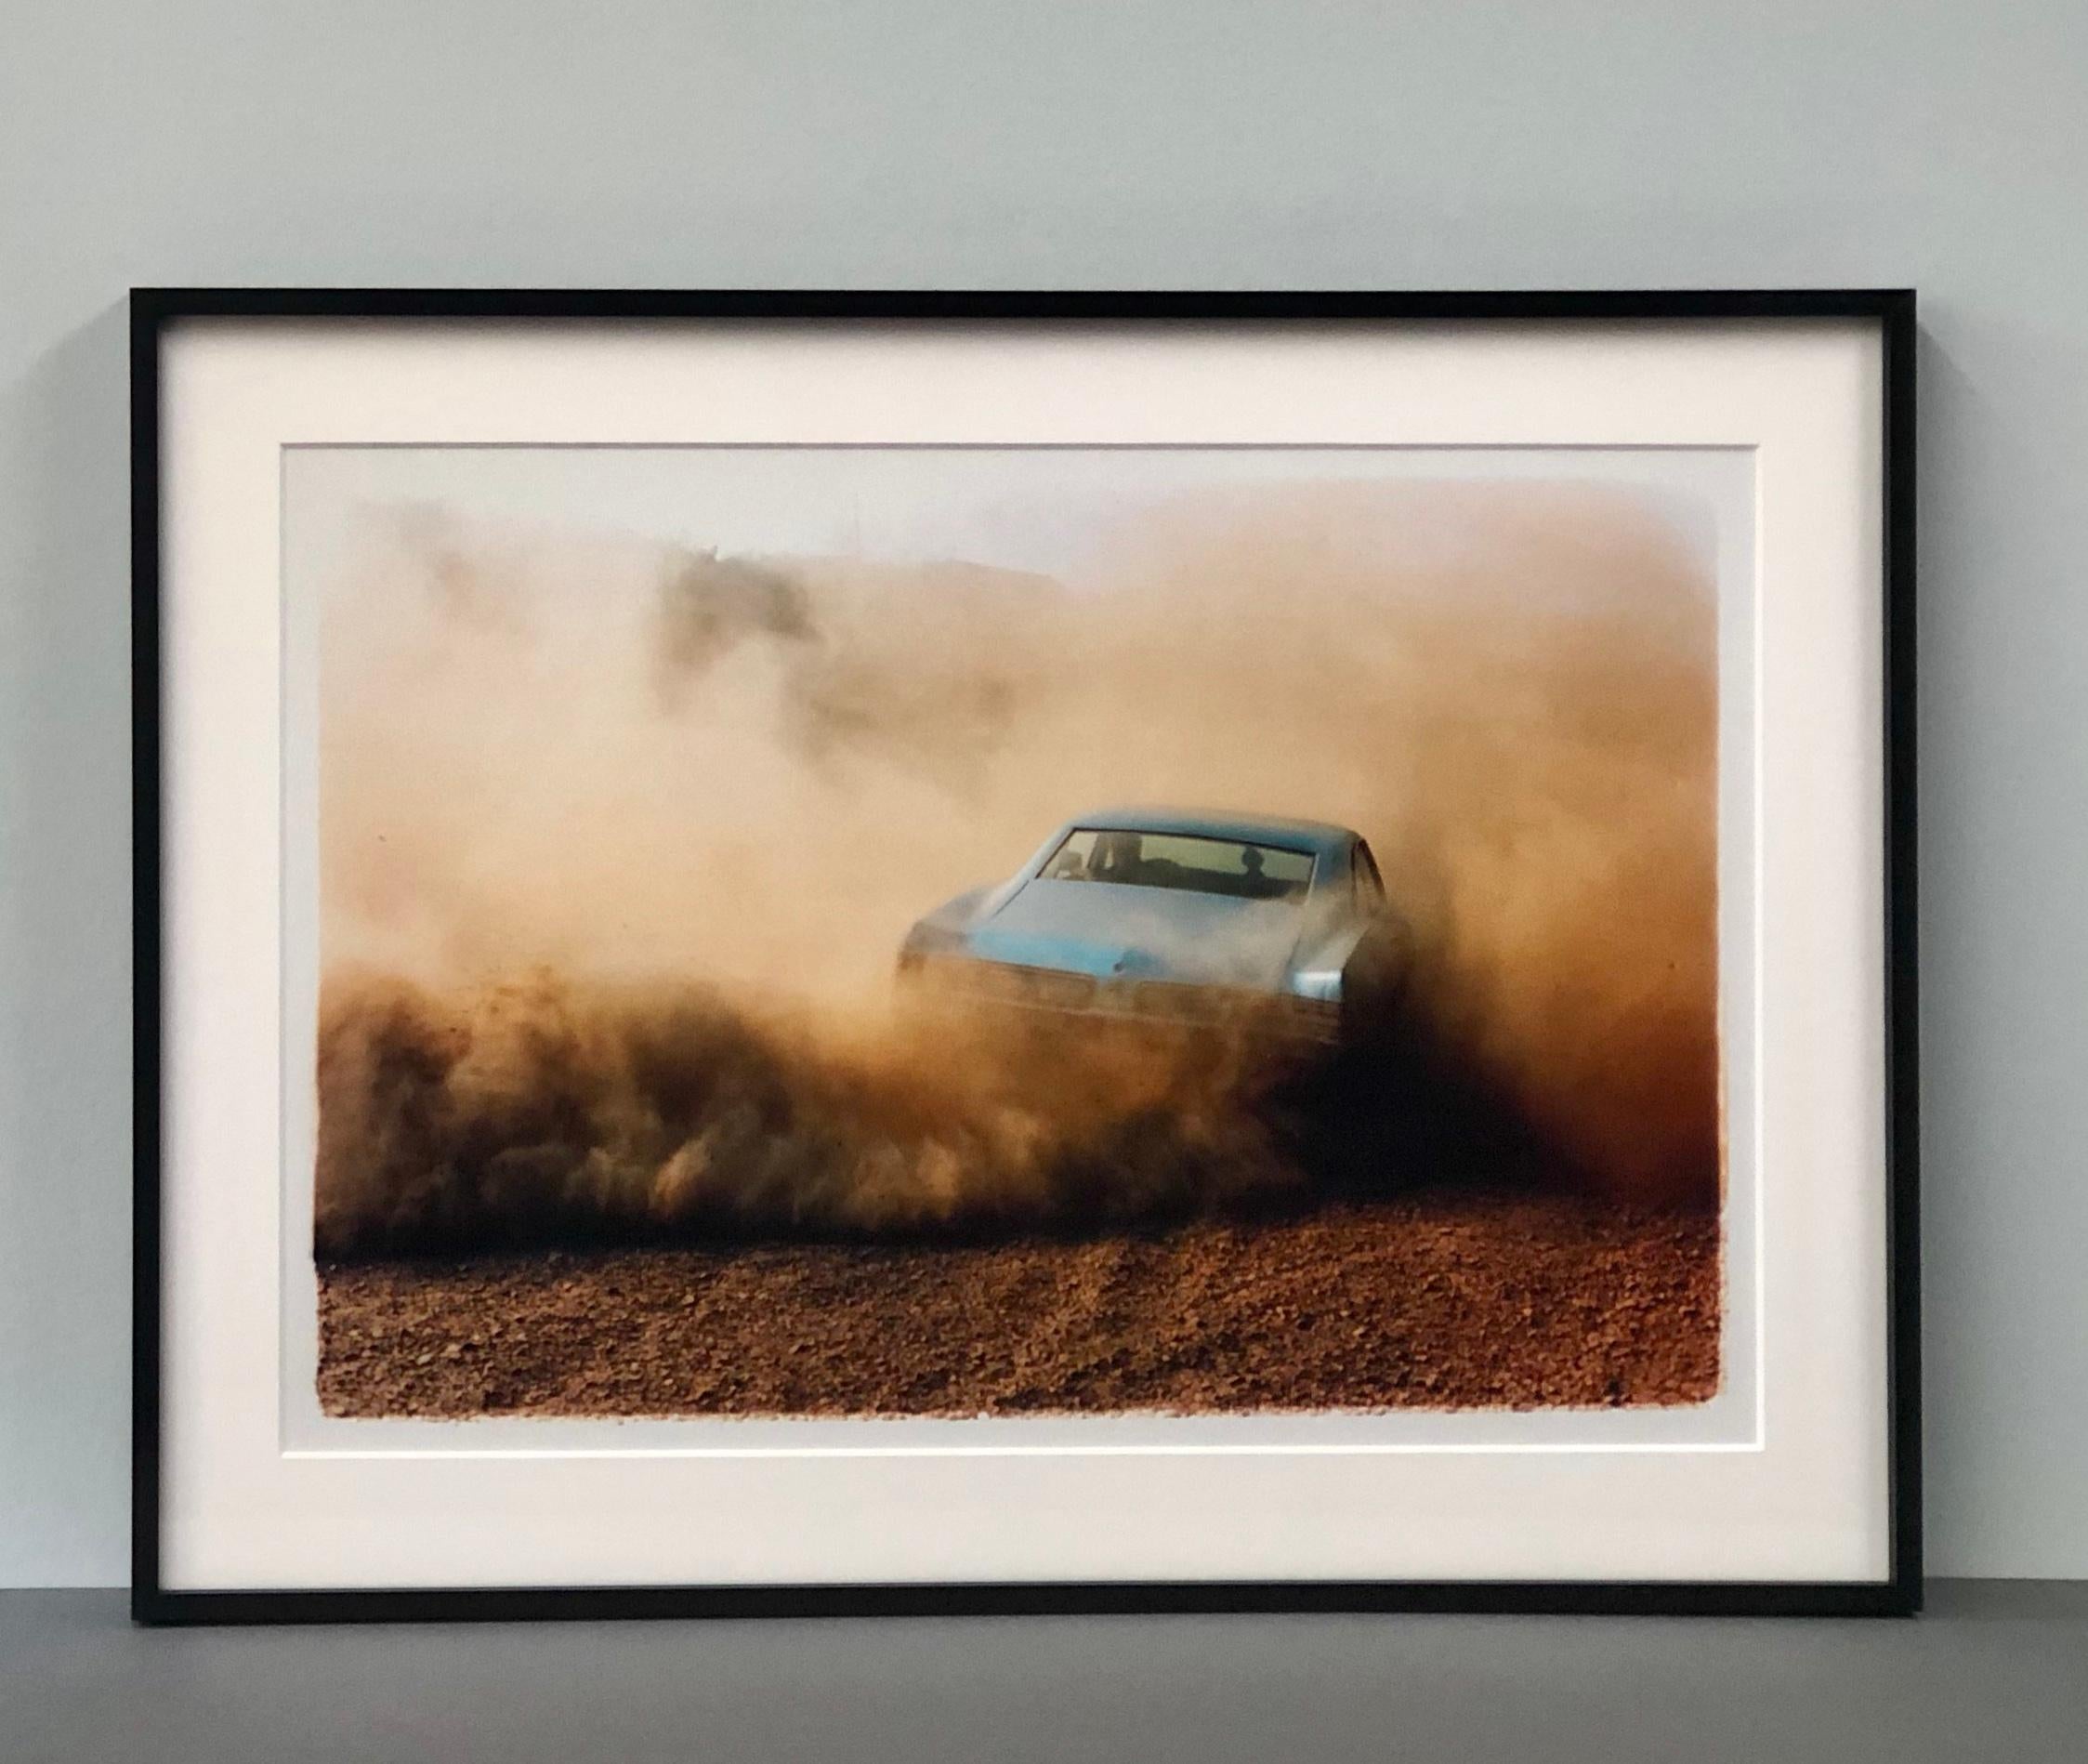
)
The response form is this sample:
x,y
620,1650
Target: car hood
x,y
1114,931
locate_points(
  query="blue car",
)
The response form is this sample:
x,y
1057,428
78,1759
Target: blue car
x,y
1166,916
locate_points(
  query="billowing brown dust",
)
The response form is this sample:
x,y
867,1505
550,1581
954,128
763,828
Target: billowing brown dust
x,y
618,845
538,1110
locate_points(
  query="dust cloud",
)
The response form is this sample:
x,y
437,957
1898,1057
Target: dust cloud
x,y
618,844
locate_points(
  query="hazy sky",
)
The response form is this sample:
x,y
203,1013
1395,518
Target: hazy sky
x,y
1047,510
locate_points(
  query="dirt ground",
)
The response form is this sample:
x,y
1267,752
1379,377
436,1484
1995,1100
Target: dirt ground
x,y
1445,1302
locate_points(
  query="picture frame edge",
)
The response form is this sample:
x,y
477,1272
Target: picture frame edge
x,y
154,310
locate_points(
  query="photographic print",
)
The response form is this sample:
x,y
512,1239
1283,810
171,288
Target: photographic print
x,y
873,953
999,932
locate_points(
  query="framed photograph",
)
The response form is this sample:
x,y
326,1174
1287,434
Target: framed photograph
x,y
814,953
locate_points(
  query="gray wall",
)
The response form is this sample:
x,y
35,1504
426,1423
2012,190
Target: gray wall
x,y
1106,142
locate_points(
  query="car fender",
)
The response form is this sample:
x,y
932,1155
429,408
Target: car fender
x,y
1367,956
949,925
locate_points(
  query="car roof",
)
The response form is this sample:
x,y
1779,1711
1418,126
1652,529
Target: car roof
x,y
1314,836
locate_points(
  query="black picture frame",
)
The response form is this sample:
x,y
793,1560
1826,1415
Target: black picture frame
x,y
154,310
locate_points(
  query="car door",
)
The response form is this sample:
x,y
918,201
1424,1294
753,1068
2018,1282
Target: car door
x,y
1372,979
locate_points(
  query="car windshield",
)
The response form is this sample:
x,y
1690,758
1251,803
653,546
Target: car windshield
x,y
1244,869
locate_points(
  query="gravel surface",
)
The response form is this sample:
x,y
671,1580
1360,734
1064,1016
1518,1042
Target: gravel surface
x,y
1444,1303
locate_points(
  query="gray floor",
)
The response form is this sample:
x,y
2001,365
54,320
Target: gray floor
x,y
1995,1670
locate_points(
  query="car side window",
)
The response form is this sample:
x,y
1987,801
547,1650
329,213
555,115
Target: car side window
x,y
1369,885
